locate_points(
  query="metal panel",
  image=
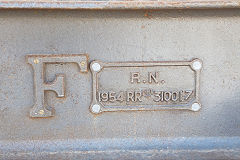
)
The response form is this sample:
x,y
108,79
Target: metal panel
x,y
119,36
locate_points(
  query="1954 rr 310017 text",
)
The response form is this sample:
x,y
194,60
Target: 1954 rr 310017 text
x,y
138,96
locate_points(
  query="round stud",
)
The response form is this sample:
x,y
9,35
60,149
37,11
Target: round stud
x,y
82,63
196,107
96,108
197,65
96,67
41,112
36,61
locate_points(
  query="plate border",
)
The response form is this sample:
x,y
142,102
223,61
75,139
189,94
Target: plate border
x,y
96,66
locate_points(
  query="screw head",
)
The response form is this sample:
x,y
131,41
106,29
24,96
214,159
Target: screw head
x,y
96,108
195,107
197,65
96,67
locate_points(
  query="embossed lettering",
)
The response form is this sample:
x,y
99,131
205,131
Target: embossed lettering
x,y
153,77
38,62
112,97
135,76
120,97
159,96
188,94
137,96
175,96
130,96
167,96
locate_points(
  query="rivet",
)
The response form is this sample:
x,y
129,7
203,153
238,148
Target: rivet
x,y
82,63
96,67
96,108
36,61
197,65
196,107
41,112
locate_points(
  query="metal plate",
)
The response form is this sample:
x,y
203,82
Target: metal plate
x,y
145,85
